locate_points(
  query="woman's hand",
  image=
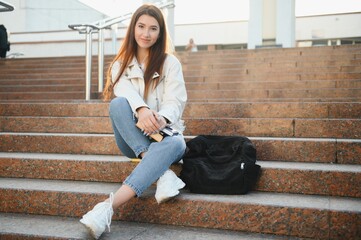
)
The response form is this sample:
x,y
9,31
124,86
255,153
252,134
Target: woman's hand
x,y
150,121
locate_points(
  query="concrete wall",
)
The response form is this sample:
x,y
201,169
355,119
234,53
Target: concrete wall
x,y
46,15
46,33
212,33
328,26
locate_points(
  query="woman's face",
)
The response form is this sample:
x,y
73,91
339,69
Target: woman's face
x,y
146,31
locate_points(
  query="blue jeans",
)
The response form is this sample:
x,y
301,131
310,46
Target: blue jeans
x,y
131,142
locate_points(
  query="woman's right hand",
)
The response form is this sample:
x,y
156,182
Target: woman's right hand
x,y
149,121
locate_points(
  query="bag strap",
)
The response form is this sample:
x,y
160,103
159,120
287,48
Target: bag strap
x,y
209,141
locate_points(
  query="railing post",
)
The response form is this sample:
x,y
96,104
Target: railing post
x,y
114,38
88,63
100,60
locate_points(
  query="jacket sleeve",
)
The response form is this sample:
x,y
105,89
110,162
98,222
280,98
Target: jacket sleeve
x,y
125,88
175,94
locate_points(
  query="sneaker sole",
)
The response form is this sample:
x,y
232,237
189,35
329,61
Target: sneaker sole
x,y
89,225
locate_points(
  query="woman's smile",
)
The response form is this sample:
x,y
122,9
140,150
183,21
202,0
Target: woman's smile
x,y
146,31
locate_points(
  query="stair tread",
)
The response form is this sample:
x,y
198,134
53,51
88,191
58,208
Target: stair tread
x,y
291,149
304,121
324,110
77,157
120,158
254,198
303,139
71,228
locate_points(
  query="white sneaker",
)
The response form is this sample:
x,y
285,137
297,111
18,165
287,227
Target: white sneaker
x,y
168,186
99,217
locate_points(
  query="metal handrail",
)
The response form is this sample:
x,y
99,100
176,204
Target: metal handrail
x,y
82,27
98,27
101,24
7,7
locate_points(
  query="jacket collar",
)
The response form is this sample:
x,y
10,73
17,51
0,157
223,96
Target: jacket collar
x,y
136,72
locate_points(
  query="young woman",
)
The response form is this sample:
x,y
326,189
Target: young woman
x,y
149,89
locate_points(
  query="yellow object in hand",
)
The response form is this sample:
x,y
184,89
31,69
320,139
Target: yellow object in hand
x,y
135,160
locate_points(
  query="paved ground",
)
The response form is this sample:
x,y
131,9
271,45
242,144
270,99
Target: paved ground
x,y
44,227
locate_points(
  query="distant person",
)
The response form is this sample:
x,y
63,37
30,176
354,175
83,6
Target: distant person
x,y
4,43
191,46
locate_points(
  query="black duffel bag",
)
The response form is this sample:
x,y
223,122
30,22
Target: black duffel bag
x,y
220,165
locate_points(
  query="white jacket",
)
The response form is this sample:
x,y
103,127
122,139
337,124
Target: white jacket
x,y
168,98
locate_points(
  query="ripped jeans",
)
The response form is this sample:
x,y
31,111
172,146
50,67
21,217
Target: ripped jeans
x,y
131,142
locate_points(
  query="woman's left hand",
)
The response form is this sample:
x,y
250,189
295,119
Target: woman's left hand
x,y
150,121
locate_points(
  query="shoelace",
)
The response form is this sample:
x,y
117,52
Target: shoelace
x,y
110,211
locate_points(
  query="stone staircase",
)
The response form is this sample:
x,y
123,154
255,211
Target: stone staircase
x,y
301,107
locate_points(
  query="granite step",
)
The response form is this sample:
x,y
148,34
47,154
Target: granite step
x,y
306,84
95,97
283,177
272,127
47,68
275,93
269,53
275,53
79,85
73,108
68,60
201,60
270,213
46,88
59,74
309,184
237,66
281,76
215,77
197,83
68,81
253,127
199,90
296,63
329,110
79,67
262,100
273,69
217,57
204,58
320,110
310,52
44,95
301,50
214,95
37,227
29,64
317,150
229,77
233,66
214,69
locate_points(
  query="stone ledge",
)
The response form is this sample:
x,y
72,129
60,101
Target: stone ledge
x,y
286,177
273,213
20,226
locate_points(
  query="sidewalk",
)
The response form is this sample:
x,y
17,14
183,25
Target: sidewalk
x,y
48,227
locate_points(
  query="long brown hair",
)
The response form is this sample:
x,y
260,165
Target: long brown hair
x,y
128,50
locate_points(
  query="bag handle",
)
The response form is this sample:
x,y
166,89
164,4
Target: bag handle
x,y
207,145
222,158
